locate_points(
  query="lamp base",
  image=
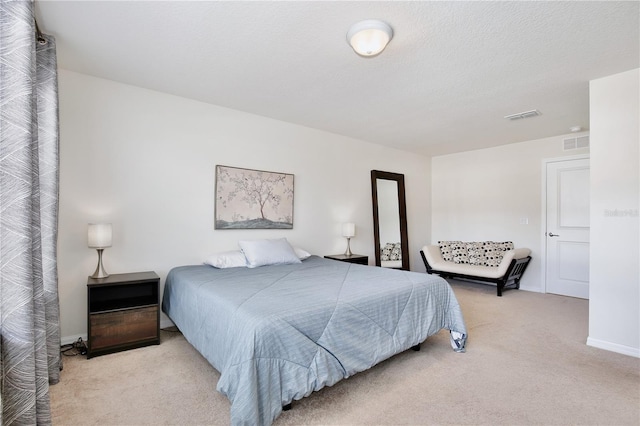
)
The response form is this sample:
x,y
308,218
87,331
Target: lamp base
x,y
348,252
100,272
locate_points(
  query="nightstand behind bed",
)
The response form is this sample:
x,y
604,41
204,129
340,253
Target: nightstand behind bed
x,y
354,258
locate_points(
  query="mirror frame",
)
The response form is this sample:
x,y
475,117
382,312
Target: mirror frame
x,y
404,240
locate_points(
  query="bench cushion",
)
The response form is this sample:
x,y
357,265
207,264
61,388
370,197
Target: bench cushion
x,y
478,253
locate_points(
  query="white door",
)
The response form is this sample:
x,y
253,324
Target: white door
x,y
567,234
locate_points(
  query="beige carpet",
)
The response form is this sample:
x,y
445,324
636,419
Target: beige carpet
x,y
526,363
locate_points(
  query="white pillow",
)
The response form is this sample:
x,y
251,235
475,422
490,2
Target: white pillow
x,y
227,259
302,254
236,258
268,252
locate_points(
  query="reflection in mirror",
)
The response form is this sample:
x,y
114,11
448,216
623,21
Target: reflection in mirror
x,y
389,220
388,208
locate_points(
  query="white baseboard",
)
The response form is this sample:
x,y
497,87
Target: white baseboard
x,y
614,347
67,340
531,289
165,323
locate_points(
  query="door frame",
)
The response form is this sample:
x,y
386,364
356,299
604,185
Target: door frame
x,y
543,213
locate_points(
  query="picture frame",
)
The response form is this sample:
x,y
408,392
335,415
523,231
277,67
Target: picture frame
x,y
253,199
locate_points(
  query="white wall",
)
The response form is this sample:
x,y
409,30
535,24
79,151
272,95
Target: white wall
x,y
145,161
614,308
485,194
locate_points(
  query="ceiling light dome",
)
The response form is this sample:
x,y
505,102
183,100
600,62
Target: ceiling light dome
x,y
369,38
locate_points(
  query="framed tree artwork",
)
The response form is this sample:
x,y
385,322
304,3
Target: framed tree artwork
x,y
253,199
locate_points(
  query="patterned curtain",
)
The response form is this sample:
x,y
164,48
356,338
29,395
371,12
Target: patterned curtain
x,y
29,309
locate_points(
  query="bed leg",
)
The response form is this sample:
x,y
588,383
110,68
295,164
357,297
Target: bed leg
x,y
286,407
500,285
416,347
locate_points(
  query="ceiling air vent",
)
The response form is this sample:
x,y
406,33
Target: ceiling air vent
x,y
526,114
575,143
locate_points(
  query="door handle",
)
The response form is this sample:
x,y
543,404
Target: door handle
x,y
551,234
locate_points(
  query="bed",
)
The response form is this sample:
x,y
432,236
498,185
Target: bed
x,y
277,333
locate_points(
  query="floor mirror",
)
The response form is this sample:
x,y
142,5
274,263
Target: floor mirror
x,y
389,220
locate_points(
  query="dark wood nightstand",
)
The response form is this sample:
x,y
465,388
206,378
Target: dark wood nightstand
x,y
354,258
123,312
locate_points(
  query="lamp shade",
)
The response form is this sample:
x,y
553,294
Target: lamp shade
x,y
99,235
348,230
369,38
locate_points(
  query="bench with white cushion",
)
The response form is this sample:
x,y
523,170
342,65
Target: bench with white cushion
x,y
504,267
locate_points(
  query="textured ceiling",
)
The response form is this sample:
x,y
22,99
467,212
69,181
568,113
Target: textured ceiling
x,y
451,73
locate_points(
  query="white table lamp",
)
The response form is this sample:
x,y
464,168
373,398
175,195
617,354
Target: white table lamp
x,y
348,231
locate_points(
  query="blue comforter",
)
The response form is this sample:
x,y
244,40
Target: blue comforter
x,y
278,333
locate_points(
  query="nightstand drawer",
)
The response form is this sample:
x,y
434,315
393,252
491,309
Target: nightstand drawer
x,y
123,327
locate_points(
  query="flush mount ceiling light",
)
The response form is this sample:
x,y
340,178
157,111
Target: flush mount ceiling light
x,y
369,38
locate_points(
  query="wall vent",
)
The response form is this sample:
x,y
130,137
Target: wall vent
x,y
575,143
525,114
582,142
